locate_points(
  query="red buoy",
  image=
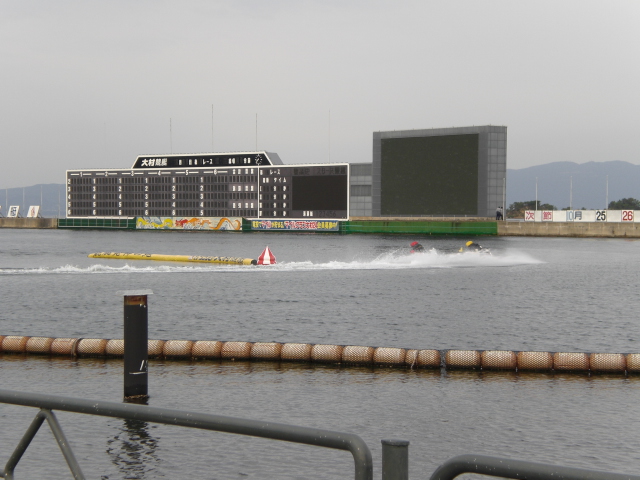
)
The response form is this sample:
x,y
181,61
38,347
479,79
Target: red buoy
x,y
266,257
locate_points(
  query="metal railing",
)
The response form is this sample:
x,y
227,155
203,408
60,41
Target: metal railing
x,y
518,469
395,460
275,431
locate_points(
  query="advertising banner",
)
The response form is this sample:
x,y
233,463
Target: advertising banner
x,y
299,225
14,211
189,223
611,216
34,211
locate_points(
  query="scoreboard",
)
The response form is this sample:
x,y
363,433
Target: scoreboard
x,y
303,191
210,186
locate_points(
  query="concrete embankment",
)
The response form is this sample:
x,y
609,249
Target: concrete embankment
x,y
569,229
28,223
456,226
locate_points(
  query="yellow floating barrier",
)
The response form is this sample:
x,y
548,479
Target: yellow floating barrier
x,y
174,258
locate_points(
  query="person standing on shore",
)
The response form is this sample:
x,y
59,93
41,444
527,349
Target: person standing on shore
x,y
499,215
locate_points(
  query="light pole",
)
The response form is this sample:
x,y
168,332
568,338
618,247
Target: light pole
x,y
571,193
504,198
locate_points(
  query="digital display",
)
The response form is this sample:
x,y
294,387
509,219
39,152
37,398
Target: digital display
x,y
305,191
254,192
435,175
316,192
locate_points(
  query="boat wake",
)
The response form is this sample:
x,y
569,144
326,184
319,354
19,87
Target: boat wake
x,y
395,260
428,260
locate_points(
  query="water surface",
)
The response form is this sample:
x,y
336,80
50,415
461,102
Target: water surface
x,y
530,294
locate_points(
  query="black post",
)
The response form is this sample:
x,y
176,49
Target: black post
x,y
135,345
395,460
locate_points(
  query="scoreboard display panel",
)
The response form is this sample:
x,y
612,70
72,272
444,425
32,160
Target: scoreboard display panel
x,y
251,191
434,174
303,191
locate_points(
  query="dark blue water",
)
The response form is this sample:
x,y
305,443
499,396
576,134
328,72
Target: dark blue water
x,y
531,294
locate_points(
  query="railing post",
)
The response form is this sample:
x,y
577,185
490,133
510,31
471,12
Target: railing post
x,y
136,333
395,460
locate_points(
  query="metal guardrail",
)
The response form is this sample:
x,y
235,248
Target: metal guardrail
x,y
276,431
518,469
394,452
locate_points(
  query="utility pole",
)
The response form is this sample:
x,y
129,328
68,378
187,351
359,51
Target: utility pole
x,y
329,141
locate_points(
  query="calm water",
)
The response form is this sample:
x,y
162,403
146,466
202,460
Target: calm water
x,y
531,294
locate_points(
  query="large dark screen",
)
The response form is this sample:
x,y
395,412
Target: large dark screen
x,y
320,192
430,175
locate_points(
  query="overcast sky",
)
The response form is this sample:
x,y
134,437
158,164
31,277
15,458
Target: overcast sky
x,y
94,84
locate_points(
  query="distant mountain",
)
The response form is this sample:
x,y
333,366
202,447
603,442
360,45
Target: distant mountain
x,y
587,181
50,197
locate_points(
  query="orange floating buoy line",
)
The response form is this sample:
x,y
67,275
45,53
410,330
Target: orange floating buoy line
x,y
266,258
358,355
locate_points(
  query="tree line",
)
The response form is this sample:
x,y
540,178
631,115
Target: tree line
x,y
517,209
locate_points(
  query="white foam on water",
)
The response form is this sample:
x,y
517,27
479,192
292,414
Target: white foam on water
x,y
100,269
395,260
430,259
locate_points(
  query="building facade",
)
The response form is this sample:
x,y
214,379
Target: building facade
x,y
252,185
436,172
360,204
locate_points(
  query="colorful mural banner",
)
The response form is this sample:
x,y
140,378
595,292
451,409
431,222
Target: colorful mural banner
x,y
315,225
189,223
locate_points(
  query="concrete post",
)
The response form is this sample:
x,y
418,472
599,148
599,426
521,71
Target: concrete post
x,y
395,460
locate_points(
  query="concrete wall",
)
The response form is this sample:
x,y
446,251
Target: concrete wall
x,y
360,190
28,223
569,229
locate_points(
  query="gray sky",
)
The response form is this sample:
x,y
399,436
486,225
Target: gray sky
x,y
94,84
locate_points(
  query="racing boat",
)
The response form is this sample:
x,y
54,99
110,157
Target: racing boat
x,y
471,247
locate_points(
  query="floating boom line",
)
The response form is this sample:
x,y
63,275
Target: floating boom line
x,y
175,258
